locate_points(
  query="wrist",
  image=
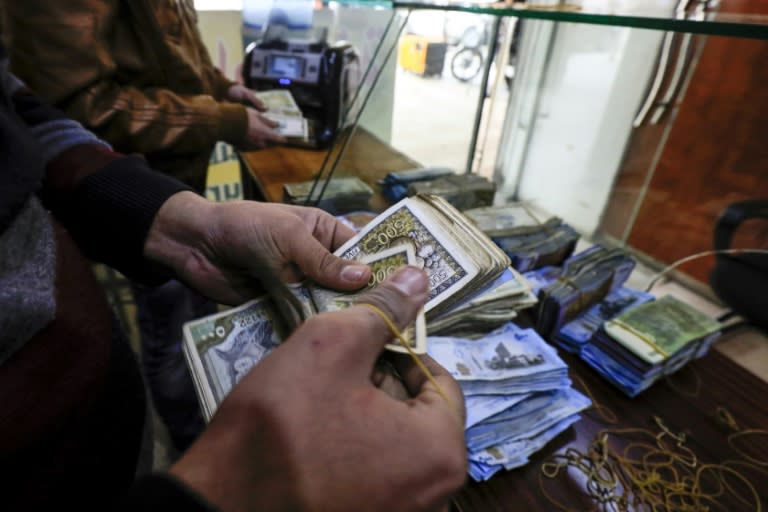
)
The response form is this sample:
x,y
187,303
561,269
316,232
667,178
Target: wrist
x,y
178,231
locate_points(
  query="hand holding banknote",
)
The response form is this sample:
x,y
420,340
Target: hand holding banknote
x,y
261,130
222,249
306,429
241,94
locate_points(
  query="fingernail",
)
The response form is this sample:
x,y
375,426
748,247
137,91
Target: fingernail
x,y
409,280
354,272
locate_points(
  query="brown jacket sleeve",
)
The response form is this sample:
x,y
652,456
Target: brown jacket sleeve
x,y
133,71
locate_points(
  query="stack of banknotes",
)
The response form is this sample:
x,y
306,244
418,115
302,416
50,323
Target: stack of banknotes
x,y
464,266
282,109
583,280
643,344
394,186
529,242
577,333
464,191
517,391
610,333
337,196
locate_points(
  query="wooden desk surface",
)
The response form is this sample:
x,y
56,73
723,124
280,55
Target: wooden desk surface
x,y
366,156
687,402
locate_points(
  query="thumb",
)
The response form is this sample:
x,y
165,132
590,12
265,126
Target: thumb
x,y
255,101
317,263
269,122
360,333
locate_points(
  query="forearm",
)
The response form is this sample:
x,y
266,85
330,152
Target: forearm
x,y
109,210
157,120
179,231
79,64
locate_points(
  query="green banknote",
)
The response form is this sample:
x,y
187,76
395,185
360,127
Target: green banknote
x,y
657,330
221,348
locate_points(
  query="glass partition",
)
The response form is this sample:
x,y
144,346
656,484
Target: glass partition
x,y
637,128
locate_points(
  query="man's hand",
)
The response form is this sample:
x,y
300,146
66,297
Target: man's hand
x,y
306,429
241,94
215,247
261,131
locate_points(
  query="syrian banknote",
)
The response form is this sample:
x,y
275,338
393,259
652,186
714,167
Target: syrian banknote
x,y
448,267
220,349
499,221
382,265
280,102
289,126
523,420
481,407
656,330
509,360
337,187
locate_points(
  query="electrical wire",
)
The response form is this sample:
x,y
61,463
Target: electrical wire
x,y
700,255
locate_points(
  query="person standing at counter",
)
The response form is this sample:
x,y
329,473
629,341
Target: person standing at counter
x,y
137,74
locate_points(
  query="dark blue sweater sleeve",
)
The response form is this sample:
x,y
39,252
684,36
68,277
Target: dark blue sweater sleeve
x,y
106,200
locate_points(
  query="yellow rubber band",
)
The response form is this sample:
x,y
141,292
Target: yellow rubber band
x,y
396,333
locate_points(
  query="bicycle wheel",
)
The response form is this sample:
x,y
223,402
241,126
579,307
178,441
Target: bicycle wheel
x,y
466,64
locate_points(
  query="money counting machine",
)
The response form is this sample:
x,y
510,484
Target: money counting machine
x,y
320,77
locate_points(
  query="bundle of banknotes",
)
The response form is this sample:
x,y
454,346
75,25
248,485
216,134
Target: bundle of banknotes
x,y
464,191
529,242
394,186
463,265
282,109
337,196
583,281
221,348
577,333
643,344
517,391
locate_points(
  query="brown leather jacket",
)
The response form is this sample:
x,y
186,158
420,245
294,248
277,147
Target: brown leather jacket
x,y
133,71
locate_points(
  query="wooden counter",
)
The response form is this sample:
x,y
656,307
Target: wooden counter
x,y
687,403
366,156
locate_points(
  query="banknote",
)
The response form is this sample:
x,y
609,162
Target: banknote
x,y
279,101
516,354
221,348
448,267
530,420
344,186
481,407
513,218
509,454
656,330
382,265
576,333
289,126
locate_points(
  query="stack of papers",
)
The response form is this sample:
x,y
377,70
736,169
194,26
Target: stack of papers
x,y
518,395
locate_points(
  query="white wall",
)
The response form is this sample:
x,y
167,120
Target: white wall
x,y
569,122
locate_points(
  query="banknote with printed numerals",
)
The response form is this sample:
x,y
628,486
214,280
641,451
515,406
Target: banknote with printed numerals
x,y
382,265
279,101
408,222
289,126
221,348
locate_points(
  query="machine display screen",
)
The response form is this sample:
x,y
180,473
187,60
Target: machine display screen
x,y
289,67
